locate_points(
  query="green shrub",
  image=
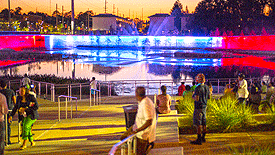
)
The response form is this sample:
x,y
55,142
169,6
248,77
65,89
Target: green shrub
x,y
186,105
271,112
226,115
223,114
252,150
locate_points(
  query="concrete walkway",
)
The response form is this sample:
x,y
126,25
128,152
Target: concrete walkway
x,y
94,130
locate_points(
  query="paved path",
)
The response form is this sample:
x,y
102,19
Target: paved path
x,y
94,130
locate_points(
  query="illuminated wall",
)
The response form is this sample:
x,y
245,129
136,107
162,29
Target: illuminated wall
x,y
19,42
264,43
56,41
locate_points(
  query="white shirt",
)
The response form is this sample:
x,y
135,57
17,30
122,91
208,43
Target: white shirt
x,y
146,110
93,84
242,91
3,107
26,81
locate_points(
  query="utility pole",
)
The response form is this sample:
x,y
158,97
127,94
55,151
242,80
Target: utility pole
x,y
88,21
63,28
105,6
9,3
56,18
72,22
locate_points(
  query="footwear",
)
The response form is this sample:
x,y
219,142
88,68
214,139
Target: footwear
x,y
198,141
32,143
203,138
22,147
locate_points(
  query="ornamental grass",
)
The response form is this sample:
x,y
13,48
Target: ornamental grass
x,y
223,115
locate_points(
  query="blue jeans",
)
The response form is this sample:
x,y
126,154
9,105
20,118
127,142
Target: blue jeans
x,y
2,138
9,131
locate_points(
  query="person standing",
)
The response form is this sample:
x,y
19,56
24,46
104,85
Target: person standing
x,y
11,100
145,123
163,102
264,90
201,95
210,87
242,89
27,106
193,86
270,90
181,89
3,111
93,85
26,81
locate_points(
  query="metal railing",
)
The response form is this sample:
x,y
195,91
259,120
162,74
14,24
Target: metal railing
x,y
116,87
96,96
66,105
131,144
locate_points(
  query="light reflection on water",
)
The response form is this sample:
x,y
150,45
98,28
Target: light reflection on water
x,y
129,64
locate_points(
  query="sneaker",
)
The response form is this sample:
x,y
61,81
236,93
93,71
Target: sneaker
x,y
203,140
32,143
22,147
196,142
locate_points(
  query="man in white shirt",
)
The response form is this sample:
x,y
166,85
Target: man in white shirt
x,y
93,85
3,111
145,123
26,81
242,89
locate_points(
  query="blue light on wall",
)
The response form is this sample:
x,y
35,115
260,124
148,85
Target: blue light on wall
x,y
69,41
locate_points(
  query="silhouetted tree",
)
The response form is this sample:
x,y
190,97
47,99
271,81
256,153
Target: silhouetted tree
x,y
177,12
228,15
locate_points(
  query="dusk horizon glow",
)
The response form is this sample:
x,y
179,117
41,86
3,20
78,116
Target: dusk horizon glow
x,y
117,7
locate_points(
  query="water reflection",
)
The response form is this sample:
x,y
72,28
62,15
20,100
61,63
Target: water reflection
x,y
148,64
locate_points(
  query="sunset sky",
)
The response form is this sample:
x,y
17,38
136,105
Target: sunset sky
x,y
150,7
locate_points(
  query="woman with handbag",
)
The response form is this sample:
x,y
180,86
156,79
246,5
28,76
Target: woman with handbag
x,y
26,105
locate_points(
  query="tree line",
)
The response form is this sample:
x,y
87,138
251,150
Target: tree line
x,y
247,17
48,22
239,16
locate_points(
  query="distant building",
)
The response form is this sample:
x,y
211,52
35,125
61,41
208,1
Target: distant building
x,y
173,24
113,25
165,24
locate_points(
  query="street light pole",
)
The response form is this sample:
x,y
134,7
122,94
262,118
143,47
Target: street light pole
x,y
88,22
72,22
9,3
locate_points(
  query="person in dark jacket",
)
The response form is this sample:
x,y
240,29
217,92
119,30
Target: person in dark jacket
x,y
11,100
27,106
201,95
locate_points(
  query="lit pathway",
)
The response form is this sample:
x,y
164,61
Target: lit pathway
x,y
100,127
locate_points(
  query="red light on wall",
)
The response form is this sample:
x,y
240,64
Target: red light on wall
x,y
12,63
248,61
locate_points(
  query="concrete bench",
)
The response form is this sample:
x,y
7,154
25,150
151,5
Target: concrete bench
x,y
167,132
167,151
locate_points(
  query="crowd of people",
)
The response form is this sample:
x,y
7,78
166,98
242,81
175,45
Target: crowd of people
x,y
25,104
251,93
